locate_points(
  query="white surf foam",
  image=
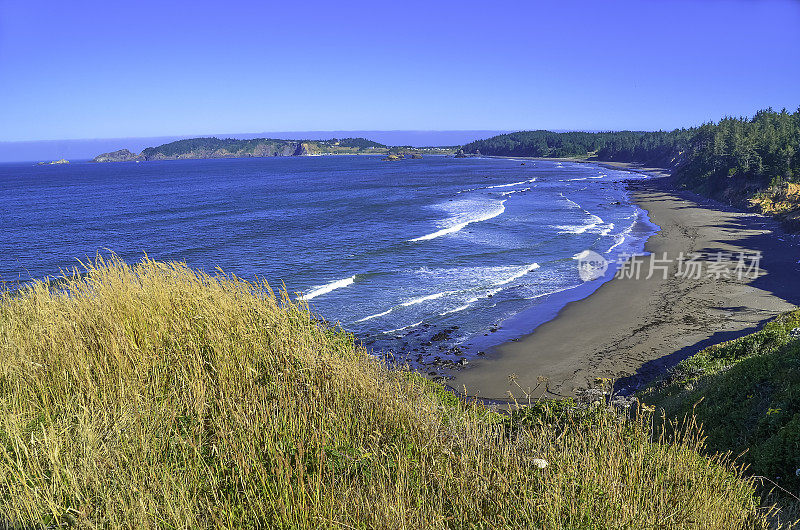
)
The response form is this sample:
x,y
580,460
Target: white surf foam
x,y
328,287
457,309
484,292
583,178
376,315
620,238
498,186
505,193
607,230
425,298
506,185
460,225
518,274
575,229
413,301
548,293
595,222
573,203
404,327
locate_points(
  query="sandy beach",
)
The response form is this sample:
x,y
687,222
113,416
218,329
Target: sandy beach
x,y
631,330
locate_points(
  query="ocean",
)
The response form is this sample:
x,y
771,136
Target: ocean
x,y
434,259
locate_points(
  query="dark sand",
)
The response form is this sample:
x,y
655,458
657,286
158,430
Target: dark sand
x,y
633,330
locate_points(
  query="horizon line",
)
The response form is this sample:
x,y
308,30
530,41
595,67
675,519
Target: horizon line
x,y
228,135
201,135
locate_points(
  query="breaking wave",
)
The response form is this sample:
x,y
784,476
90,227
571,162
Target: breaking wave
x,y
460,225
328,287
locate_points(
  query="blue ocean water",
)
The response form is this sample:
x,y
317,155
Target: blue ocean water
x,y
395,251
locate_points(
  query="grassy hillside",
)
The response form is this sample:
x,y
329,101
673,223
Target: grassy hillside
x,y
155,396
746,393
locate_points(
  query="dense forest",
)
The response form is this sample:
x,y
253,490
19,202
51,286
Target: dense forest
x,y
735,158
548,144
358,143
757,152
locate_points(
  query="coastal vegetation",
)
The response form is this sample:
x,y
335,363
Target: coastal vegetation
x,y
357,143
739,160
746,393
198,147
153,395
550,144
781,200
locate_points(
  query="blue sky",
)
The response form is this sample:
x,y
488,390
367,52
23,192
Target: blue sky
x,y
86,69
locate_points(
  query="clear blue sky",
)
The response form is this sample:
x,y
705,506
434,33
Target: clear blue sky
x,y
91,69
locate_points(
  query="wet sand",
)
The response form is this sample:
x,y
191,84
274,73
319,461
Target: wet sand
x,y
632,330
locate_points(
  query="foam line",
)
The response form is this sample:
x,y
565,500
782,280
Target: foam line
x,y
328,287
519,274
506,185
411,302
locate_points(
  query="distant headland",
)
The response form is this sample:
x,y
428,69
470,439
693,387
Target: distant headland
x,y
202,148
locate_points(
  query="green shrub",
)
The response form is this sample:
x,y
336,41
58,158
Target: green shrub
x,y
746,394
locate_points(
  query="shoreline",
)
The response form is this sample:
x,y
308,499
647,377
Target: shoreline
x,y
632,331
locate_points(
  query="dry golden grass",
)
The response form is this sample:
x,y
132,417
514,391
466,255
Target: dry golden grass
x,y
155,396
778,200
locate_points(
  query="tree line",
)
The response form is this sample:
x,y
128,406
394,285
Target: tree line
x,y
742,152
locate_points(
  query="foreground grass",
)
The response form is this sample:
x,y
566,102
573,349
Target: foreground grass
x,y
156,396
